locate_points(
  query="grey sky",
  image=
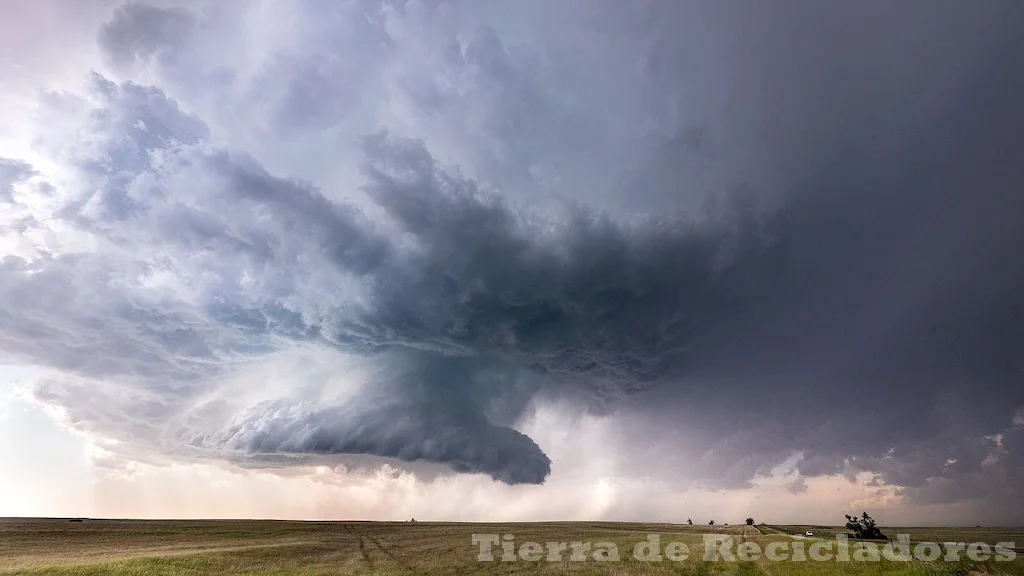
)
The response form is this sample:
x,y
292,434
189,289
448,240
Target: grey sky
x,y
753,242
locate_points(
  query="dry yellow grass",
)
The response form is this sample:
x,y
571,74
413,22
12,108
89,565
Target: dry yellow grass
x,y
95,547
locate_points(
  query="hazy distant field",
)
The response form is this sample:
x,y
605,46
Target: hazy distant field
x,y
932,534
141,548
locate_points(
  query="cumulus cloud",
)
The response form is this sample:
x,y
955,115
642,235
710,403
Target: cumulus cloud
x,y
755,243
139,32
11,173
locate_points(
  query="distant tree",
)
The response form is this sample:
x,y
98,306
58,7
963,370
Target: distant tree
x,y
864,527
689,521
712,523
750,521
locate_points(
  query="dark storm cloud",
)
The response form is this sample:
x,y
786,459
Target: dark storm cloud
x,y
849,290
885,330
583,298
580,300
422,410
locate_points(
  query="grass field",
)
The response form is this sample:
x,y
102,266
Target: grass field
x,y
60,547
931,534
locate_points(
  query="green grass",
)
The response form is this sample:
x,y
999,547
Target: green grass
x,y
95,547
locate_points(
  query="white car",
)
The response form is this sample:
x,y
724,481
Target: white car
x,y
808,533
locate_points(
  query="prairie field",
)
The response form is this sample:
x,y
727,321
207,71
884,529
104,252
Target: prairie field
x,y
131,547
988,535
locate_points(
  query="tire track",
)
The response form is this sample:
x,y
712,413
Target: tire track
x,y
386,552
390,555
361,545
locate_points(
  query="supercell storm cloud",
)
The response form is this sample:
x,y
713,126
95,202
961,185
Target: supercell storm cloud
x,y
280,233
